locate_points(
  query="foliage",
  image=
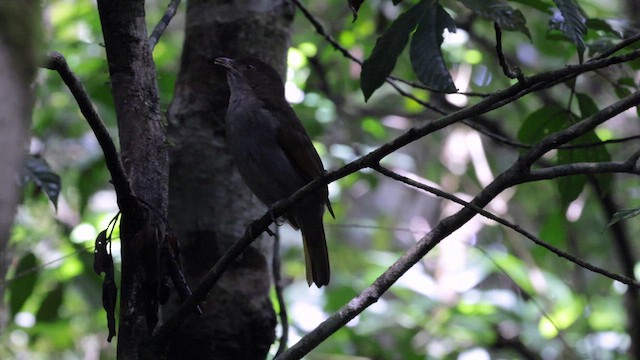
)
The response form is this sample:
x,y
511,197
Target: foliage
x,y
483,292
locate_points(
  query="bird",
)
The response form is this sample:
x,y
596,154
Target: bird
x,y
274,154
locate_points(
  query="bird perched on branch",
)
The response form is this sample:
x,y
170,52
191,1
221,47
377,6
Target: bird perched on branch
x,y
274,153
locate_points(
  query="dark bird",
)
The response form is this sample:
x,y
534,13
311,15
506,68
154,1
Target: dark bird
x,y
274,153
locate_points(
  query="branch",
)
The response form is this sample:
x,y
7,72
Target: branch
x,y
126,199
503,181
623,279
553,172
279,289
163,23
510,72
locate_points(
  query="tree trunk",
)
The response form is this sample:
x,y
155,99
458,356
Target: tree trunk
x,y
210,205
144,156
18,63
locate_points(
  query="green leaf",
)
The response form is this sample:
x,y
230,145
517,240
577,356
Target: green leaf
x,y
621,92
425,53
571,186
389,46
500,12
539,5
48,311
623,215
606,27
23,283
573,23
541,123
586,104
38,171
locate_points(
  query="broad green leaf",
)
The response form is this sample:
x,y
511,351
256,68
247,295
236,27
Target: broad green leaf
x,y
48,311
604,25
389,46
571,186
24,282
426,56
621,92
623,215
554,229
586,104
541,123
38,171
573,23
500,12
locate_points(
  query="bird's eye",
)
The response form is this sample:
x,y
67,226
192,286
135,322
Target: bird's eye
x,y
250,67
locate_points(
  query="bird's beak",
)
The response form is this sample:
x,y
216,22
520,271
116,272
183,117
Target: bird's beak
x,y
226,62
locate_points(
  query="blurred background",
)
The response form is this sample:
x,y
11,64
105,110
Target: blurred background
x,y
484,292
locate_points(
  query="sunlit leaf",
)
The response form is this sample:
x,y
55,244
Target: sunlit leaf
x,y
426,56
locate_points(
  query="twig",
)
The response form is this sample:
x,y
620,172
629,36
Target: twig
x,y
553,172
517,228
57,62
510,72
617,47
279,289
172,8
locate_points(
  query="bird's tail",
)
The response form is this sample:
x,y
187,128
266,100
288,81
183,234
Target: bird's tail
x,y
316,255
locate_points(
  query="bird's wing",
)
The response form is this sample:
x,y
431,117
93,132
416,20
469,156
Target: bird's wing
x,y
296,144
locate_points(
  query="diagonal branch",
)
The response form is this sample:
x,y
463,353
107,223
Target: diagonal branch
x,y
56,61
157,32
517,228
508,178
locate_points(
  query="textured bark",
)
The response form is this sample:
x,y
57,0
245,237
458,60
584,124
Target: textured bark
x,y
144,156
18,62
209,203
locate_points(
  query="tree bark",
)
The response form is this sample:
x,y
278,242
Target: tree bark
x,y
144,156
210,205
19,40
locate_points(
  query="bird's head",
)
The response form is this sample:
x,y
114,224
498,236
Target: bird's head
x,y
261,77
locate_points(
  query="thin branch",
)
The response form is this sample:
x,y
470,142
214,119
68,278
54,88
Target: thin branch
x,y
126,199
448,225
553,172
617,47
529,296
279,289
509,71
172,8
517,228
